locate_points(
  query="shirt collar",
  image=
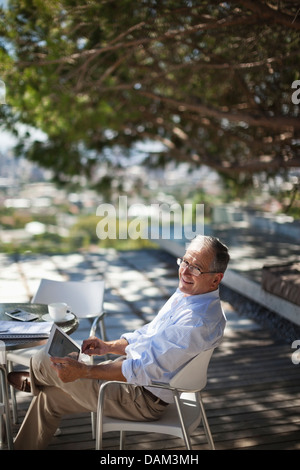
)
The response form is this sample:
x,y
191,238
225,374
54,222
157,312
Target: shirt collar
x,y
198,297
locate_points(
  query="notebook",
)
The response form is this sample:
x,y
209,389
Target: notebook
x,y
23,330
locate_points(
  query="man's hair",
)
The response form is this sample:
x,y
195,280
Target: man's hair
x,y
220,251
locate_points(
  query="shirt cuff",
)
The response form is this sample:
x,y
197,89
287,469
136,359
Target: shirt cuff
x,y
127,336
127,370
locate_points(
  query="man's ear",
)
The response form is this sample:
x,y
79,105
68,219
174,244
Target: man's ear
x,y
218,278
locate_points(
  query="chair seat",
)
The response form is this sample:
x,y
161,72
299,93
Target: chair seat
x,y
167,424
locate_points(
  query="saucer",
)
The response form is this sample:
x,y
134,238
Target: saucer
x,y
68,317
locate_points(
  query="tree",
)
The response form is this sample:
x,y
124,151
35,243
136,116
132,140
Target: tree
x,y
211,81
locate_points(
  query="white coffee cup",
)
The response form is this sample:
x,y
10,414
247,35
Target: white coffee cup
x,y
58,311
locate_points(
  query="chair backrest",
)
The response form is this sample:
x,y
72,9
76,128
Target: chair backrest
x,y
85,298
193,376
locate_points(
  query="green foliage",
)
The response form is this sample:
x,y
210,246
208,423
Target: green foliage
x,y
209,80
82,236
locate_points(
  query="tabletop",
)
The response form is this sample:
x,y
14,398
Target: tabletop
x,y
39,309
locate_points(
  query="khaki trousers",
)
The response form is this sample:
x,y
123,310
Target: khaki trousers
x,y
53,399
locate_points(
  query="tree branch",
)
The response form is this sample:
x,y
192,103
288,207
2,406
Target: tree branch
x,y
266,12
271,122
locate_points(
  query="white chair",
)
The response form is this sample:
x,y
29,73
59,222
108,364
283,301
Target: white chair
x,y
4,400
180,418
85,299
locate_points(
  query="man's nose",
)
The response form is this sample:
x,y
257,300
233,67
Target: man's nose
x,y
186,269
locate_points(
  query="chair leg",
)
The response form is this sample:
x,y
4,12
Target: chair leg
x,y
99,433
206,426
93,419
99,421
122,440
2,411
13,396
186,436
4,395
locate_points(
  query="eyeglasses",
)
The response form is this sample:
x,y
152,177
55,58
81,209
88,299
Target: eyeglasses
x,y
193,269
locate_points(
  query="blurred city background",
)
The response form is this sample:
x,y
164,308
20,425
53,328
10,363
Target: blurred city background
x,y
36,215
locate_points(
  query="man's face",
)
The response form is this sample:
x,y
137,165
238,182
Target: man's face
x,y
190,284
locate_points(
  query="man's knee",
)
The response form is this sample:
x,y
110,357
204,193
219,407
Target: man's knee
x,y
39,357
40,369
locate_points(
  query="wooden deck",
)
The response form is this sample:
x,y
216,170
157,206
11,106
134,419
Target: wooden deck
x,y
252,401
252,398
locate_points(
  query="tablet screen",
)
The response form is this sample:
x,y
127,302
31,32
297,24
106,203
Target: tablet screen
x,y
61,346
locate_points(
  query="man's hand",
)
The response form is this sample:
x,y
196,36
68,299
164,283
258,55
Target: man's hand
x,y
94,346
68,369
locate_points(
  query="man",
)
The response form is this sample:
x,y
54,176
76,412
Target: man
x,y
192,320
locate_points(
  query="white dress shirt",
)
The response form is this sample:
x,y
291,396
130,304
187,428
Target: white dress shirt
x,y
185,326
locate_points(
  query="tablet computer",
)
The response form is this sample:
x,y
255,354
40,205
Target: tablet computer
x,y
60,344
